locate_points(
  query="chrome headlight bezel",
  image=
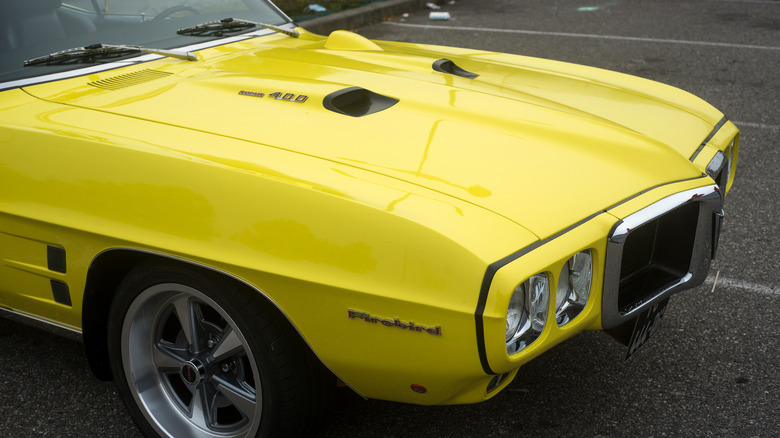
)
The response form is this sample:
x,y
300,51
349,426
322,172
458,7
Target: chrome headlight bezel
x,y
527,312
574,284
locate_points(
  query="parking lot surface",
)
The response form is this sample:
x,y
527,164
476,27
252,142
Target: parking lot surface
x,y
712,370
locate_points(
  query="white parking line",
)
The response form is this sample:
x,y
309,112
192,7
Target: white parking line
x,y
744,285
721,281
584,35
766,2
756,125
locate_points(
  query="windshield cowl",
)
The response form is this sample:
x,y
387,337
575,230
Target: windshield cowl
x,y
44,33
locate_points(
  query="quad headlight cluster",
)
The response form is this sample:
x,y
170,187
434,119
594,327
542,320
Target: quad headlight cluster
x,y
528,307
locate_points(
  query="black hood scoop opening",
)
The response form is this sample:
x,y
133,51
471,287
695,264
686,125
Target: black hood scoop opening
x,y
446,66
357,102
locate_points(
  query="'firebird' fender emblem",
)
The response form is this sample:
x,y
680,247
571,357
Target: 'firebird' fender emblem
x,y
397,323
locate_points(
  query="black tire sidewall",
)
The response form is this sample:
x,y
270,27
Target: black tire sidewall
x,y
274,349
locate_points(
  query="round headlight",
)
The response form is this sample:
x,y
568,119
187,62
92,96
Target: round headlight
x,y
573,287
517,314
527,312
539,298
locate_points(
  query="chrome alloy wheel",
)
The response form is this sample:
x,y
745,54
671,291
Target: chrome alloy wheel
x,y
190,368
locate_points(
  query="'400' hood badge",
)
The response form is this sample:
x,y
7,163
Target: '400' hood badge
x,y
278,95
395,322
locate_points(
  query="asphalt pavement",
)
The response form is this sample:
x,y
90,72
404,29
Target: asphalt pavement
x,y
713,369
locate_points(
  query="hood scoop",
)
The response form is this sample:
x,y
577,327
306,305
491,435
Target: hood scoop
x,y
129,79
357,102
345,40
449,67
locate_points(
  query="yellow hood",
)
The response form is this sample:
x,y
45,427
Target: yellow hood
x,y
541,143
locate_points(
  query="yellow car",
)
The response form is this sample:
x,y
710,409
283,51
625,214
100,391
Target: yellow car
x,y
236,213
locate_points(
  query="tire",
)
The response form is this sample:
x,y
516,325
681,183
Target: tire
x,y
238,370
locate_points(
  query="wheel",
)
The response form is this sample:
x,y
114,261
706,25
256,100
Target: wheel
x,y
197,356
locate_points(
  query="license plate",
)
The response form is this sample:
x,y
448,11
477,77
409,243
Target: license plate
x,y
647,323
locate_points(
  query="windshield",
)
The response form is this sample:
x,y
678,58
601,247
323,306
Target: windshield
x,y
36,28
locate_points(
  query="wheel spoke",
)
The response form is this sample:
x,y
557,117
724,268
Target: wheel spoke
x,y
166,359
199,409
227,346
243,400
185,311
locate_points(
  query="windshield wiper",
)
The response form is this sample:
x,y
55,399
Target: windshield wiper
x,y
90,54
231,25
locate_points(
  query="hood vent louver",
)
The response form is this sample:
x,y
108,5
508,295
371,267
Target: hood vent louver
x,y
129,79
357,102
449,67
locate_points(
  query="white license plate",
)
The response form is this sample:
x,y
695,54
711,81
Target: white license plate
x,y
647,323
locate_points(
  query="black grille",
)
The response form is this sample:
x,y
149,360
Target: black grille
x,y
656,255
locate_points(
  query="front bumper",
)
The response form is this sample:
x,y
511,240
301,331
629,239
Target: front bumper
x,y
661,249
663,244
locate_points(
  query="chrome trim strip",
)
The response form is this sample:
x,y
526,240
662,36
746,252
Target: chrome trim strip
x,y
710,199
649,189
716,227
69,74
41,324
709,137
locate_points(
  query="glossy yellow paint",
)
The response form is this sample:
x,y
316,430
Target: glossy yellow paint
x,y
721,141
522,119
396,215
118,190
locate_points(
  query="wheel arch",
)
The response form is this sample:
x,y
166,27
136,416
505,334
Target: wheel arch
x,y
104,276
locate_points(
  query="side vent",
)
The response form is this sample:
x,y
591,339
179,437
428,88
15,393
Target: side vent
x,y
130,79
56,259
449,67
357,102
61,292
